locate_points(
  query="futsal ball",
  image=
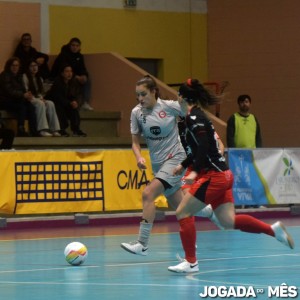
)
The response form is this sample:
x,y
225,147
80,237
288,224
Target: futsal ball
x,y
76,253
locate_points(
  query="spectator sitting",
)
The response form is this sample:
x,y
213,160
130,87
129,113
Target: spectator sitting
x,y
65,92
14,98
70,55
47,120
26,53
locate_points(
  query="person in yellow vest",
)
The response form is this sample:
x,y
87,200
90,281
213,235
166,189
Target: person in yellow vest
x,y
243,129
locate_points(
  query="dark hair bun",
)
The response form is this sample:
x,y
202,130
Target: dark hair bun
x,y
192,82
194,92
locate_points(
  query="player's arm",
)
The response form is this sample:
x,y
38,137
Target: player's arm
x,y
230,131
221,146
136,148
183,107
197,126
177,107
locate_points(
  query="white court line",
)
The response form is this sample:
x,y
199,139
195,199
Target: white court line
x,y
188,276
95,283
247,268
48,269
248,257
156,263
205,259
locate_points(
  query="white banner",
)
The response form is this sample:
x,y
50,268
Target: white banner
x,y
265,176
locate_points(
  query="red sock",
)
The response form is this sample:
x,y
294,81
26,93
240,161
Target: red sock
x,y
250,224
188,238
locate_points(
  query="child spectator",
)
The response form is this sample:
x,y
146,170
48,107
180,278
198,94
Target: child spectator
x,y
65,92
47,120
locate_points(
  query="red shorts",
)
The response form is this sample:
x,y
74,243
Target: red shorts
x,y
214,188
185,185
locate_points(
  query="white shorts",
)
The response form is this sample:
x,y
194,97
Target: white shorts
x,y
165,172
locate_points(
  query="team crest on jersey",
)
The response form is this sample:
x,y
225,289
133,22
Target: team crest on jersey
x,y
155,130
162,114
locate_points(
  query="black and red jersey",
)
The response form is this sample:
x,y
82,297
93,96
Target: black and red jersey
x,y
202,140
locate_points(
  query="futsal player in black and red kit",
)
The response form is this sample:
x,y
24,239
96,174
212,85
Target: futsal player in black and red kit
x,y
211,181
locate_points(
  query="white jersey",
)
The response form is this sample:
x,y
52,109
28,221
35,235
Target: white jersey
x,y
159,128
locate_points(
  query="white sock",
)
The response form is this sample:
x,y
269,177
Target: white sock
x,y
144,234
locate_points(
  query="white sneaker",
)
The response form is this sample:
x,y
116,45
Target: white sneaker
x,y
56,133
45,133
185,267
282,235
86,106
135,247
207,212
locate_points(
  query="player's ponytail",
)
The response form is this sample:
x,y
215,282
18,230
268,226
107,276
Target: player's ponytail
x,y
194,93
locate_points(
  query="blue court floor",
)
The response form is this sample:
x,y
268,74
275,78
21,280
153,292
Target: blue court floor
x,y
33,265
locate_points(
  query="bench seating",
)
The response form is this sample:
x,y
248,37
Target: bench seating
x,y
102,129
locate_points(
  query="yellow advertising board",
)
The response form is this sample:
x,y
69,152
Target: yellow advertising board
x,y
37,182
